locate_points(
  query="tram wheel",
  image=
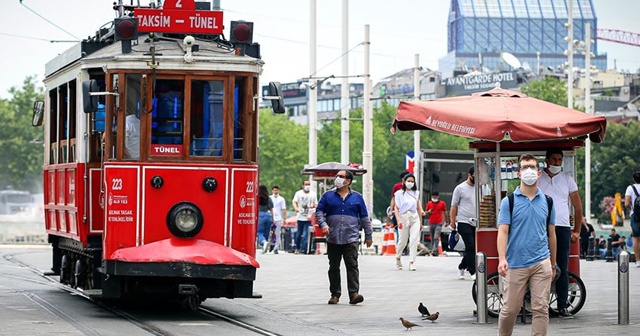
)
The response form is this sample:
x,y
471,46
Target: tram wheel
x,y
191,302
576,298
80,274
65,268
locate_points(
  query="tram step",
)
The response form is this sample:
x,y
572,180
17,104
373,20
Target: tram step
x,y
93,293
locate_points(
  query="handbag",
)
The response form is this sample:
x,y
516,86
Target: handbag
x,y
456,243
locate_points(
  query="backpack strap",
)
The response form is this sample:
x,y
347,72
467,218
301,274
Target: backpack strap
x,y
549,207
635,190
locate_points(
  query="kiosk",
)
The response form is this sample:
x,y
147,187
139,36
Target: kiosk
x,y
503,125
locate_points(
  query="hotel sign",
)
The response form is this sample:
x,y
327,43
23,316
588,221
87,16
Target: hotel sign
x,y
464,85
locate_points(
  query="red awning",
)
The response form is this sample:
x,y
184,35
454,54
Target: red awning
x,y
499,115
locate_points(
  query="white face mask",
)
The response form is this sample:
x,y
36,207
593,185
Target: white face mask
x,y
409,185
307,188
529,176
555,169
339,182
434,200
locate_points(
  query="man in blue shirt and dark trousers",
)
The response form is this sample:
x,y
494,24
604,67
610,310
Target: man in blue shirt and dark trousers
x,y
341,213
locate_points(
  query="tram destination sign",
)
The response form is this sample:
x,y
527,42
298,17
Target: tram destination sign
x,y
179,16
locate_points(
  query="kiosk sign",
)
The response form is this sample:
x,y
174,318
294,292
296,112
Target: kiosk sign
x,y
179,16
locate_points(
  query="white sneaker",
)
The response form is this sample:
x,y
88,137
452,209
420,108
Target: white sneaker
x,y
473,277
265,247
637,264
461,274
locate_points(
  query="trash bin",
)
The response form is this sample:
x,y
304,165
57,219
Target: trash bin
x,y
287,239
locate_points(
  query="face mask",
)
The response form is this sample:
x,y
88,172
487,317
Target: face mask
x,y
307,188
529,176
434,200
339,182
555,169
409,185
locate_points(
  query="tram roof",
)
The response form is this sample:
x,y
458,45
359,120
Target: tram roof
x,y
170,53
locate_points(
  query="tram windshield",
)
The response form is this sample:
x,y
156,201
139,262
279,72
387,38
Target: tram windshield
x,y
198,117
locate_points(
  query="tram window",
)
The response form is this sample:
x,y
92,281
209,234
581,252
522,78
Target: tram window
x,y
167,113
132,119
207,123
239,116
53,126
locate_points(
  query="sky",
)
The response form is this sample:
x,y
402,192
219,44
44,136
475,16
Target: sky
x,y
399,30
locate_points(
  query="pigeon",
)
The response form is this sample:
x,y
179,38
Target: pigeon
x,y
423,310
408,324
432,317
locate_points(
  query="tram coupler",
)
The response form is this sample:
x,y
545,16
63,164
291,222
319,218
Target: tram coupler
x,y
187,289
623,288
481,286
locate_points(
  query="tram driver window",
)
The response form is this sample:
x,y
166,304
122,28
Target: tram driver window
x,y
132,119
167,113
207,127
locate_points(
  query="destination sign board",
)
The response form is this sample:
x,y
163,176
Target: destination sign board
x,y
179,16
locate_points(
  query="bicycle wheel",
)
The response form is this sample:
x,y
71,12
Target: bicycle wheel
x,y
575,300
494,294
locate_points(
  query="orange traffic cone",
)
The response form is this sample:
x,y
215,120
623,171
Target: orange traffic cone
x,y
384,239
440,254
389,244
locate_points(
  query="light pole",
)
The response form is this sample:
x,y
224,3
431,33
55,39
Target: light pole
x,y
585,47
569,26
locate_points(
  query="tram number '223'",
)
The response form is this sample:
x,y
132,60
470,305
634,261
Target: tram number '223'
x,y
116,184
250,186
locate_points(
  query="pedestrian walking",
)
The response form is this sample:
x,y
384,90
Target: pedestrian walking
x,y
463,219
408,211
630,196
303,201
279,216
341,215
526,250
265,217
437,212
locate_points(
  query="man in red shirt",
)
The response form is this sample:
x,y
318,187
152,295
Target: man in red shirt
x,y
437,211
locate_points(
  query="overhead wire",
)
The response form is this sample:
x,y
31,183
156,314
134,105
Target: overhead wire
x,y
49,21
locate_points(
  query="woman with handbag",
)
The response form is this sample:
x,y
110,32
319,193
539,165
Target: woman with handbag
x,y
409,213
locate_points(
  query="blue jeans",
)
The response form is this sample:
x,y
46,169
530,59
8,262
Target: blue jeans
x,y
563,238
301,236
264,225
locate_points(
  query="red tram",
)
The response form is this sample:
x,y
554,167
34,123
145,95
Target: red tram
x,y
152,190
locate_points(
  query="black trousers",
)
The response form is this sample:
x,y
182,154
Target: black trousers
x,y
348,252
468,233
563,239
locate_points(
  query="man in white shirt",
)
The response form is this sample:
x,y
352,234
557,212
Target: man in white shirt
x,y
564,191
279,214
132,137
303,201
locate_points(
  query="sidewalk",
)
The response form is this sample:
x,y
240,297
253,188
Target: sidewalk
x,y
297,286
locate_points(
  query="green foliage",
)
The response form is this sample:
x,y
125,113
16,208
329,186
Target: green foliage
x,y
22,152
549,89
283,152
284,141
613,162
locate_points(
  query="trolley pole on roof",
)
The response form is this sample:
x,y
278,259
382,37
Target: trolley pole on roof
x,y
367,150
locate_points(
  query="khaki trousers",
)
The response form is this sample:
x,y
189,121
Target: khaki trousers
x,y
538,279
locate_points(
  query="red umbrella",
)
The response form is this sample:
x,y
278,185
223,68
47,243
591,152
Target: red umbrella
x,y
499,115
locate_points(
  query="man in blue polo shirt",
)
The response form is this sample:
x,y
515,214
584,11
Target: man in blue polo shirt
x,y
526,250
341,214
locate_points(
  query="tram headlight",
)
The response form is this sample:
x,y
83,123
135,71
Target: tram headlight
x,y
185,220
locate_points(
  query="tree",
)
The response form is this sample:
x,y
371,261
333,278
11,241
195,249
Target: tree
x,y
283,152
21,143
549,89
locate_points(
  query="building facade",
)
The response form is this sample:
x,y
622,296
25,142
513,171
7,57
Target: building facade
x,y
480,32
